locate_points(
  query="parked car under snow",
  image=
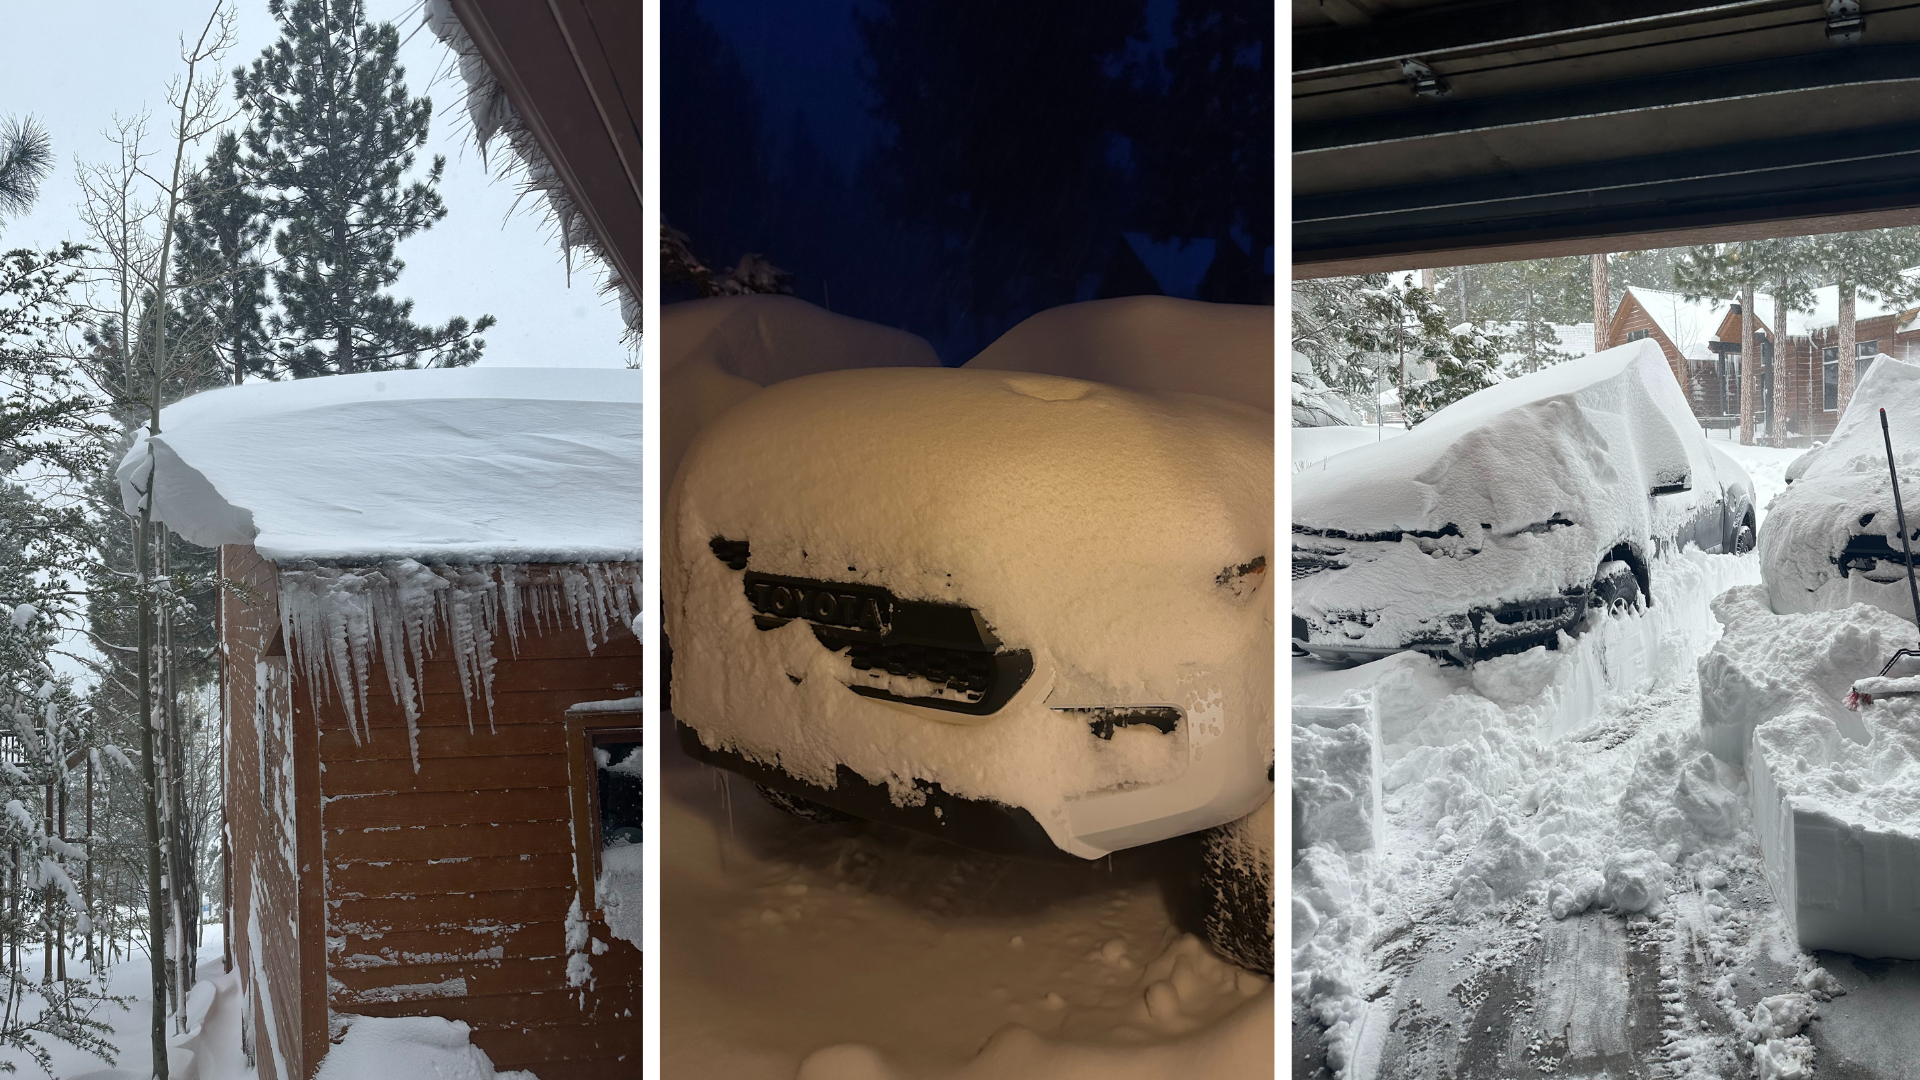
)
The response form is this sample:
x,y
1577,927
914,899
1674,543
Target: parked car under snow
x,y
1021,604
1505,518
1832,538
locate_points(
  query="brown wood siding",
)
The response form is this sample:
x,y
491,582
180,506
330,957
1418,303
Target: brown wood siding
x,y
447,889
1631,316
266,885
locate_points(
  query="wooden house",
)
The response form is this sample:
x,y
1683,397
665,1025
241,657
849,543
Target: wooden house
x,y
1801,391
427,635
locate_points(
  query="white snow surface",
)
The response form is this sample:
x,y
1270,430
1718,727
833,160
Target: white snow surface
x,y
1155,344
1839,483
446,465
620,892
716,352
1030,498
1314,447
1835,794
831,953
1524,799
426,1047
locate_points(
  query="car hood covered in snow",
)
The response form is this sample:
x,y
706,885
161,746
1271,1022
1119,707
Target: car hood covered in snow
x,y
464,465
1831,539
1511,494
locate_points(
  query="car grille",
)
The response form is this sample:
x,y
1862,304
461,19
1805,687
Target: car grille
x,y
950,646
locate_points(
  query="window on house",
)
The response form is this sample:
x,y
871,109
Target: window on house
x,y
1830,378
1866,348
617,753
1636,335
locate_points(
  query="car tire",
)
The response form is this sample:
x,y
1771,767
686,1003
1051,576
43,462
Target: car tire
x,y
1743,539
804,808
1236,885
1616,588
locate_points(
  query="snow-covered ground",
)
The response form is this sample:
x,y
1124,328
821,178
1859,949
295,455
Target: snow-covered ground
x,y
1562,882
373,1049
209,1050
862,953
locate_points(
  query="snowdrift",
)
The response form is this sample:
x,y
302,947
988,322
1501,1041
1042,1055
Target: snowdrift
x,y
1835,795
1817,549
468,465
715,352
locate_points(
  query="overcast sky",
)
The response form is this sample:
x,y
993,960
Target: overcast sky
x,y
74,64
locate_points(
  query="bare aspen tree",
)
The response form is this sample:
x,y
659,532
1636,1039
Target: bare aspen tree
x,y
131,208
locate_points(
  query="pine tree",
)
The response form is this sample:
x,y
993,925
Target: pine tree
x,y
332,133
219,278
26,156
1469,364
1364,334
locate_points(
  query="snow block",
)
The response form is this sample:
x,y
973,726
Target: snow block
x,y
1336,778
1766,664
1846,885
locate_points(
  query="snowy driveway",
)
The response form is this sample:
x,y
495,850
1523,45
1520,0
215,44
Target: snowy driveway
x,y
1437,954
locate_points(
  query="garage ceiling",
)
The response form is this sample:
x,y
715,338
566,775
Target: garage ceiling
x,y
1445,132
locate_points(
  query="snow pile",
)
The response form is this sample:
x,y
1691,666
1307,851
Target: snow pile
x,y
1153,344
451,465
620,890
1170,1039
1119,537
1842,490
715,352
1766,665
1835,795
426,1047
1336,778
1513,493
338,621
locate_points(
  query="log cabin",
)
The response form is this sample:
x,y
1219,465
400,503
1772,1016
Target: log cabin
x,y
430,689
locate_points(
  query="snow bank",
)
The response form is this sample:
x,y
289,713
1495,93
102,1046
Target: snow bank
x,y
715,352
428,1047
1842,491
1095,527
1514,492
1315,447
1835,795
461,465
1155,344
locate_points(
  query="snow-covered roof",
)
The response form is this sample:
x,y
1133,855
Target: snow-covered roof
x,y
1689,324
513,465
1826,309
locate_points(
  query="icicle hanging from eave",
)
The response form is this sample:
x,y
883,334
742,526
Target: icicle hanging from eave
x,y
337,619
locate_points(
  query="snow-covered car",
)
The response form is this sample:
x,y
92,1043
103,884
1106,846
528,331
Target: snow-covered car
x,y
1504,519
1021,604
1832,538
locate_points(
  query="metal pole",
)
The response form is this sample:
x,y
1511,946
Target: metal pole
x,y
1900,514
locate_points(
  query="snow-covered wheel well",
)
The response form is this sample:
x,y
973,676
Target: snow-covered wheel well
x,y
1636,561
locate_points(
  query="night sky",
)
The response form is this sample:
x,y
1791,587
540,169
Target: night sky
x,y
991,159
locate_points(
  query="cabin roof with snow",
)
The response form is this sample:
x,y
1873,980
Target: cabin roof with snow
x,y
464,465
